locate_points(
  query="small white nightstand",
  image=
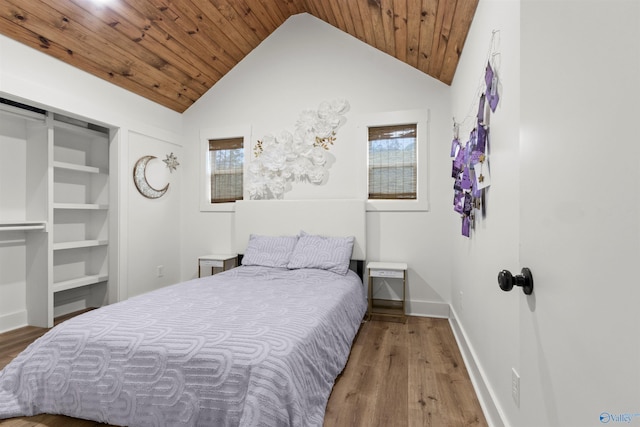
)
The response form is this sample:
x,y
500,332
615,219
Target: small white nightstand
x,y
221,262
390,309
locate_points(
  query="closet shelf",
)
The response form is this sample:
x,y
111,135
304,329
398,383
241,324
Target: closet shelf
x,y
79,129
23,226
80,206
79,282
77,168
79,244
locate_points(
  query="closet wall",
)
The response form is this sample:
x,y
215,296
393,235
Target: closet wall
x,y
31,77
23,210
54,212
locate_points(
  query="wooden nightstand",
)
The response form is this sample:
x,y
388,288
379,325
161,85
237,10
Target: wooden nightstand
x,y
389,309
221,262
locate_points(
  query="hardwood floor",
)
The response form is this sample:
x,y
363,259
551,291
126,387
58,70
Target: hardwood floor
x,y
409,374
398,374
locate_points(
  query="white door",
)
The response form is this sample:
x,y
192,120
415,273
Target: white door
x,y
579,213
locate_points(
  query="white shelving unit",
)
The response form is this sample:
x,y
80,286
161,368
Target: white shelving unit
x,y
80,206
54,211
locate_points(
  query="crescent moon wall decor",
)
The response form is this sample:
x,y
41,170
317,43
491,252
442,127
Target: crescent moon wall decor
x,y
140,179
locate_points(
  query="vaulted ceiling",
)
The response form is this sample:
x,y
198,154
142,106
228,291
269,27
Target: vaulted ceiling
x,y
173,51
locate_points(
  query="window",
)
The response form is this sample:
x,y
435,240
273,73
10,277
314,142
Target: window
x,y
226,165
396,160
392,162
223,151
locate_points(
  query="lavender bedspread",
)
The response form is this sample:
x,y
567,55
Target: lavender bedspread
x,y
253,346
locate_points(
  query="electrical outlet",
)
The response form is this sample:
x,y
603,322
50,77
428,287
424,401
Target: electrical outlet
x,y
460,295
515,387
160,270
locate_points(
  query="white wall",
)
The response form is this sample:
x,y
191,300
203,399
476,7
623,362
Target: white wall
x,y
34,78
487,315
154,224
574,341
305,62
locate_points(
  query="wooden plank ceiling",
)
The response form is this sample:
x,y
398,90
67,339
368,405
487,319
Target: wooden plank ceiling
x,y
173,51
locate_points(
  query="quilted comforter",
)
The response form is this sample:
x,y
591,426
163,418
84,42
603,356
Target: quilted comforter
x,y
253,346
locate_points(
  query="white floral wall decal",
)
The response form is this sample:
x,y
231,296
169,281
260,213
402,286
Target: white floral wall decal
x,y
302,156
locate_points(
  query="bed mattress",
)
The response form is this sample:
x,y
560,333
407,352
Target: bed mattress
x,y
253,346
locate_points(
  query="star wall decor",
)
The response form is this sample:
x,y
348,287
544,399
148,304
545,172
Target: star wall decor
x,y
172,162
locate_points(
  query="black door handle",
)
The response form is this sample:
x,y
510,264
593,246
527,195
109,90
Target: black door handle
x,y
507,281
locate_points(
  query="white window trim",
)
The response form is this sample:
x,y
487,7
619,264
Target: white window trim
x,y
236,131
421,118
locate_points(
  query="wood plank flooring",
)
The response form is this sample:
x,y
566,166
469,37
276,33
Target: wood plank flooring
x,y
409,374
399,374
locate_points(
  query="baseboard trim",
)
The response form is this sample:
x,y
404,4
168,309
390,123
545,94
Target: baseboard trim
x,y
486,398
428,309
11,321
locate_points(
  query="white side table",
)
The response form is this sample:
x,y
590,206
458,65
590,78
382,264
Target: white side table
x,y
390,309
222,262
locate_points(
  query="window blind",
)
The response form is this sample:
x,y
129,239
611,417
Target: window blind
x,y
226,160
392,162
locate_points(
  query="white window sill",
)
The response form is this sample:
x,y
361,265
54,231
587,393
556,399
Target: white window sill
x,y
397,206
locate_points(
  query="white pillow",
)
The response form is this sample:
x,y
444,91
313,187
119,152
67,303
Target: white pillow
x,y
326,253
269,251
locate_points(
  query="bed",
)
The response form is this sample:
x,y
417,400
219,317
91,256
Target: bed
x,y
258,345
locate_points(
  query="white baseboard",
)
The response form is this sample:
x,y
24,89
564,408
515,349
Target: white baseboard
x,y
12,321
486,398
428,309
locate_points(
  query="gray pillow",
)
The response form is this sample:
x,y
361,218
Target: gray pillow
x,y
269,251
326,253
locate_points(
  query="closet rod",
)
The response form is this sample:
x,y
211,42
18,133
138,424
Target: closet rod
x,y
21,227
23,114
